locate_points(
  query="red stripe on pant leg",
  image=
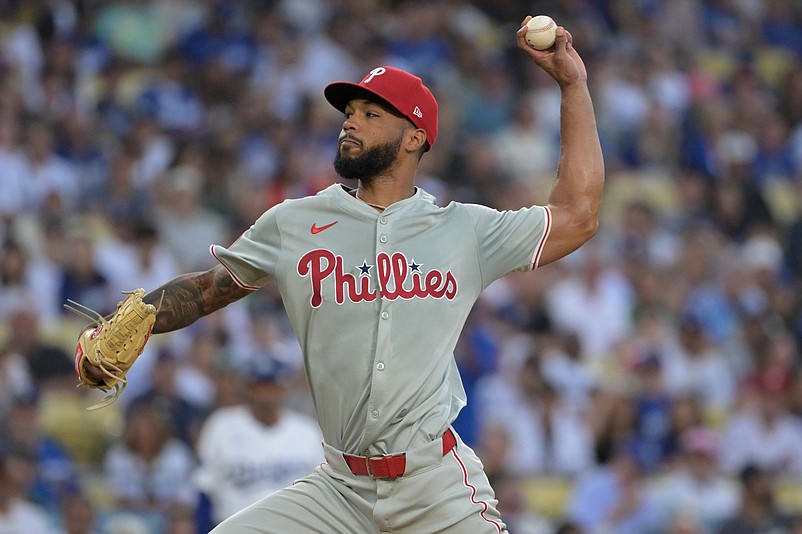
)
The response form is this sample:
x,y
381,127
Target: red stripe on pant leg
x,y
467,484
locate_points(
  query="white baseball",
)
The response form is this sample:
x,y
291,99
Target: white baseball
x,y
541,32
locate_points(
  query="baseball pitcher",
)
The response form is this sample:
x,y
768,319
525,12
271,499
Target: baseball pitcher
x,y
377,281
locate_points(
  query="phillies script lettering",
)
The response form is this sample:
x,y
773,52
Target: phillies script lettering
x,y
393,273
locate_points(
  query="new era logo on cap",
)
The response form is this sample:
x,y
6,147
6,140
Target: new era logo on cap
x,y
402,90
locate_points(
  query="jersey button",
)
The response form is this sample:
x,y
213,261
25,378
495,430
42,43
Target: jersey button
x,y
375,414
383,239
383,220
385,315
380,366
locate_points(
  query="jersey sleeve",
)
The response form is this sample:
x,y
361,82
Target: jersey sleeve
x,y
252,258
509,240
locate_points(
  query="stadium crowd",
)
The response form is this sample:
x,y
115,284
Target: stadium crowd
x,y
648,383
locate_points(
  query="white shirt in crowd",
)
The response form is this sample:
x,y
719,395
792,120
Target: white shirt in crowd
x,y
775,446
23,516
243,460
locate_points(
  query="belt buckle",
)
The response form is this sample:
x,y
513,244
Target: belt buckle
x,y
367,464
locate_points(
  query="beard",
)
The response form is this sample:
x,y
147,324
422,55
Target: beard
x,y
371,163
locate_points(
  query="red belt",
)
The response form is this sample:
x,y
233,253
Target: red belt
x,y
392,465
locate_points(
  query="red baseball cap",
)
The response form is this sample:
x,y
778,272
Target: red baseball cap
x,y
402,90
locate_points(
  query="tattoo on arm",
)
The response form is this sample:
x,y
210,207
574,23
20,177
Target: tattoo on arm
x,y
191,296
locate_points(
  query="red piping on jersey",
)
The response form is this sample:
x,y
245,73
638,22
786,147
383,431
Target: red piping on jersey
x,y
236,279
467,484
542,244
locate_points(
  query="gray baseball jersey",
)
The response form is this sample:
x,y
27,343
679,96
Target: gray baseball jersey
x,y
378,301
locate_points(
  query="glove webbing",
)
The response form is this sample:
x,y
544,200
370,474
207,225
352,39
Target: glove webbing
x,y
114,343
123,331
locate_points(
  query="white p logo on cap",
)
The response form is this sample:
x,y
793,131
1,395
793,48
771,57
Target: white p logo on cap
x,y
378,71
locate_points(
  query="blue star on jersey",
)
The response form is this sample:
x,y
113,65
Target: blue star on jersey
x,y
414,267
364,268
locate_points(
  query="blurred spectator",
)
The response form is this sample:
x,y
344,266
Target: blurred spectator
x,y
15,379
170,100
14,284
686,414
86,434
547,434
488,103
758,510
109,98
651,440
12,194
55,475
135,257
691,209
476,355
44,270
643,238
694,491
187,227
705,298
696,366
152,151
514,510
613,498
766,435
197,367
525,150
79,515
623,101
81,149
276,75
782,24
81,279
774,159
246,452
221,36
596,289
185,418
563,367
17,513
50,180
134,31
478,173
21,52
229,386
612,422
44,361
737,207
272,338
148,470
419,40
493,448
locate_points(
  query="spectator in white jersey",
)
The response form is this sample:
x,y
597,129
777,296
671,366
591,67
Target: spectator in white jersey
x,y
251,450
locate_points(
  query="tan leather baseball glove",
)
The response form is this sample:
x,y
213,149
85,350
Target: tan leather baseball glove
x,y
113,344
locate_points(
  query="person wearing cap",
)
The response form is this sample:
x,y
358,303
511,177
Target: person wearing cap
x,y
377,281
250,450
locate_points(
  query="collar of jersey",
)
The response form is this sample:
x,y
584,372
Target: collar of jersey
x,y
357,206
